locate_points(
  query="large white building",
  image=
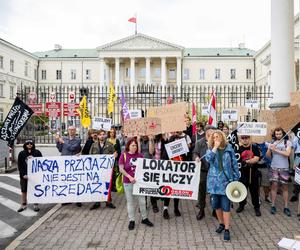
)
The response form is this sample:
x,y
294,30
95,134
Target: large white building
x,y
131,61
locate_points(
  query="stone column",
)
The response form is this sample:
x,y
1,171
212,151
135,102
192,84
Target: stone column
x,y
148,71
178,71
102,83
132,72
163,72
282,52
117,72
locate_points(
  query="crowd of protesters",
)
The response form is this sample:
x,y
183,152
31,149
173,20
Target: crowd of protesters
x,y
265,165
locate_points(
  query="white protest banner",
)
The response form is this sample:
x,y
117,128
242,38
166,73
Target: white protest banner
x,y
176,148
135,113
170,179
251,104
205,110
62,179
252,128
297,175
101,123
229,115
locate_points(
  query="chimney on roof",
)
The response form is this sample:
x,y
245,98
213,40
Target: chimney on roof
x,y
242,46
57,47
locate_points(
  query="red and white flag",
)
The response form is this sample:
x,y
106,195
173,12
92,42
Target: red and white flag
x,y
132,20
212,110
194,119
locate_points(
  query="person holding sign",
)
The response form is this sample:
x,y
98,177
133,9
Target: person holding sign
x,y
279,151
250,155
223,169
127,168
70,145
103,147
28,151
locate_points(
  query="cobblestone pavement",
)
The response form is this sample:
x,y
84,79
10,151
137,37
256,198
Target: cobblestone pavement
x,y
72,227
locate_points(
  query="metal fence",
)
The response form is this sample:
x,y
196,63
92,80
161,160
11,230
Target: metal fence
x,y
139,97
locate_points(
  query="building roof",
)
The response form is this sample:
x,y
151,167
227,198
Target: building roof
x,y
21,50
218,52
68,53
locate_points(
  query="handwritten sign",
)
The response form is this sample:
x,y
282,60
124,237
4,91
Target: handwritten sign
x,y
178,147
172,116
63,179
101,123
142,126
295,98
229,115
171,179
135,113
252,128
288,117
251,104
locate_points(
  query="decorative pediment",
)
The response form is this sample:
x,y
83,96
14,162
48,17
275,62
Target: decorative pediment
x,y
139,42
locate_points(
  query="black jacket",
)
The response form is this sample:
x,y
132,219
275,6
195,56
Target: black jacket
x,y
22,158
87,146
199,151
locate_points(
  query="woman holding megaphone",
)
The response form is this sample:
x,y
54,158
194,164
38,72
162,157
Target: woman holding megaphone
x,y
223,169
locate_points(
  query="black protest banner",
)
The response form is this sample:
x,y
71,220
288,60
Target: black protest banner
x,y
16,119
296,130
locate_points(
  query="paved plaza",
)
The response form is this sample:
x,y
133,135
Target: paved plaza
x,y
71,227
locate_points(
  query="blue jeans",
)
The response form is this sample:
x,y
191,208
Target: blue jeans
x,y
219,201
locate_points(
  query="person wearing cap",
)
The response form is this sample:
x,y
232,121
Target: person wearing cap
x,y
28,151
199,156
250,155
69,145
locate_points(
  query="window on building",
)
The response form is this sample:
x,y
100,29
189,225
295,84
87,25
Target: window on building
x,y
1,90
11,92
26,67
186,74
143,72
248,74
12,65
87,74
217,74
232,73
73,74
157,72
35,74
172,73
1,115
202,74
1,62
58,74
127,72
233,97
44,74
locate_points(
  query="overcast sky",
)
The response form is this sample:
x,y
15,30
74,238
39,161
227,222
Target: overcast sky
x,y
36,25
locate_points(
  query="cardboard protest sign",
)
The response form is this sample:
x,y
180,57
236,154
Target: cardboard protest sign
x,y
296,130
171,179
101,123
229,115
176,148
172,116
63,179
288,117
252,128
135,113
295,98
267,116
204,111
142,126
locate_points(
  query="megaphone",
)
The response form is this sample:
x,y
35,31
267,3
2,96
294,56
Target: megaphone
x,y
236,191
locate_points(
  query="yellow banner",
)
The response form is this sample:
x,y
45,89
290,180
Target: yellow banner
x,y
111,99
85,118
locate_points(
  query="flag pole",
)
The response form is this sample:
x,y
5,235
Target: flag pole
x,y
135,23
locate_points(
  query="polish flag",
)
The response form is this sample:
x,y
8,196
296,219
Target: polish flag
x,y
194,119
132,20
212,110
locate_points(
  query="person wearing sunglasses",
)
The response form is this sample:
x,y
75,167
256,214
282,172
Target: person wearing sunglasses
x,y
250,155
28,151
